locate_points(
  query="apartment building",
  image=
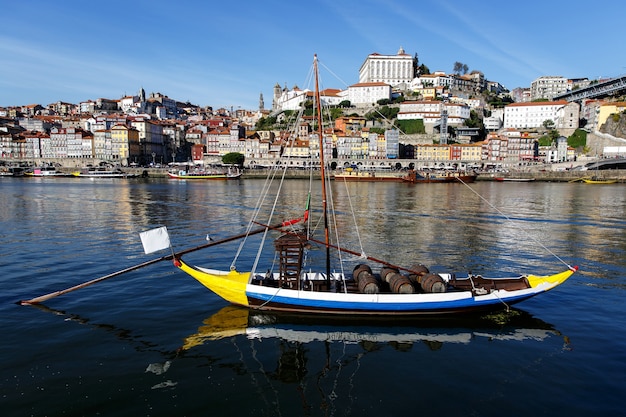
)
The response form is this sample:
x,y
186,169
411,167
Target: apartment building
x,y
547,87
563,114
430,111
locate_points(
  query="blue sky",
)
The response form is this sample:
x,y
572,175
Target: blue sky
x,y
224,54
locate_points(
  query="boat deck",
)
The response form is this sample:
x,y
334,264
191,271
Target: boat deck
x,y
319,283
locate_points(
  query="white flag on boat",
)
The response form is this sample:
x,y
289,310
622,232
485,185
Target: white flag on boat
x,y
155,239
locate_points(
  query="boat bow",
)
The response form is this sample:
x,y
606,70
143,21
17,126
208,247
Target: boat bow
x,y
231,285
550,281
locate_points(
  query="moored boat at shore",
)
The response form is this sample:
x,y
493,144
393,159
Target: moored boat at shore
x,y
45,171
13,172
410,176
512,179
596,180
369,176
418,177
102,173
197,174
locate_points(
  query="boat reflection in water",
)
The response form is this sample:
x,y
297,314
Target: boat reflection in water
x,y
242,362
233,321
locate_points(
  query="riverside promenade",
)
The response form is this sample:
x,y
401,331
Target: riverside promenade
x,y
565,172
537,175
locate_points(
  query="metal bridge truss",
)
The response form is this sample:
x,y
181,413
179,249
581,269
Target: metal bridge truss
x,y
604,89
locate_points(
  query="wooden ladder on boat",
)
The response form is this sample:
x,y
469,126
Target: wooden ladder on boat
x,y
290,250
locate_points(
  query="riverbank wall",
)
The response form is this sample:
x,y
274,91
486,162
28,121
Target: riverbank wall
x,y
546,176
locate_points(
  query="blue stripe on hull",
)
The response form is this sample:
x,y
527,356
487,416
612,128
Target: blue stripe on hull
x,y
256,300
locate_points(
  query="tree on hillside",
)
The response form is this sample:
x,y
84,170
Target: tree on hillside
x,y
424,70
266,123
548,124
233,158
345,104
460,68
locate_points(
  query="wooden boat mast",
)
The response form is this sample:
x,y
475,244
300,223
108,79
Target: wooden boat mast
x,y
320,134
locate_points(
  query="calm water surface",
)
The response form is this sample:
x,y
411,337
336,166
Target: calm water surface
x,y
154,342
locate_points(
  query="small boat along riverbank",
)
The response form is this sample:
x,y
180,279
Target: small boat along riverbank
x,y
546,176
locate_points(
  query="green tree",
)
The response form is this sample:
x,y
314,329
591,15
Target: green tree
x,y
545,141
335,113
548,124
265,123
416,67
233,158
553,134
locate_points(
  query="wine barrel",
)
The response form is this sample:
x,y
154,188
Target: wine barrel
x,y
366,281
433,283
386,271
417,272
400,284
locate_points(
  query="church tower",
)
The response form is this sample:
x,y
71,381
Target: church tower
x,y
261,103
277,94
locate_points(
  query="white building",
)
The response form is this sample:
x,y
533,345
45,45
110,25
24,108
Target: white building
x,y
548,87
430,111
437,79
130,104
395,70
367,93
495,121
290,99
563,114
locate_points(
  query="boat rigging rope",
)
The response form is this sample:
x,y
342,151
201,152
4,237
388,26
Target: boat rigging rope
x,y
269,180
515,225
482,291
262,196
356,227
335,229
271,215
508,308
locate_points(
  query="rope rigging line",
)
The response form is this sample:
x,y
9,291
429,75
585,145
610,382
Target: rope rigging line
x,y
336,231
275,203
516,225
271,177
356,227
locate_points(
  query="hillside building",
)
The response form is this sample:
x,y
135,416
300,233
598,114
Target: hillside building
x,y
395,70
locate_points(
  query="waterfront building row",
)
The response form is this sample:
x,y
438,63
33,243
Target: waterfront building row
x,y
142,141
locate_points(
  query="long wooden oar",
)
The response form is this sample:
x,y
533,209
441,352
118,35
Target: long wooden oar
x,y
45,297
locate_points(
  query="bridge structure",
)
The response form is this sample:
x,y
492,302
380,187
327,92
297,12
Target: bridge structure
x,y
617,163
611,87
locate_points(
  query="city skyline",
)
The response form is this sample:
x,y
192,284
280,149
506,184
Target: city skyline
x,y
227,56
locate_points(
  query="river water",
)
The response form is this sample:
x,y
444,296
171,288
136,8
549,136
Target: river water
x,y
153,342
